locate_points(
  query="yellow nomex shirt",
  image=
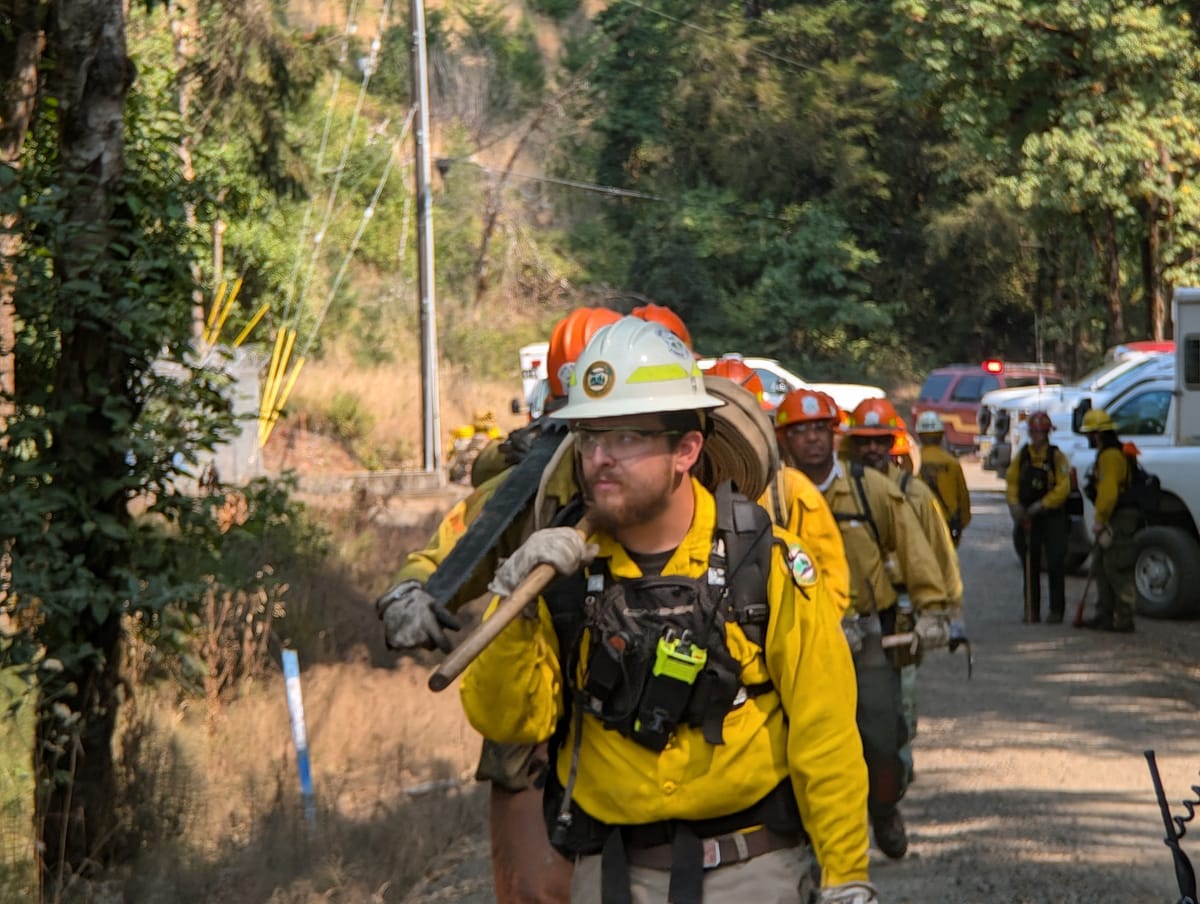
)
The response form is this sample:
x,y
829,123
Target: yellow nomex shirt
x,y
804,729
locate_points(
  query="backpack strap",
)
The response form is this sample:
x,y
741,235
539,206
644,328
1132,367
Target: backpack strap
x,y
746,531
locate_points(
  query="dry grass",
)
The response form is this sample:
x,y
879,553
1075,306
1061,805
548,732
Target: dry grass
x,y
219,806
391,393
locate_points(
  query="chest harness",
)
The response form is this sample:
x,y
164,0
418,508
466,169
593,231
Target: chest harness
x,y
656,658
1035,481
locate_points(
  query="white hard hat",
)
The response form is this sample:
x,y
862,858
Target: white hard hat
x,y
635,367
929,422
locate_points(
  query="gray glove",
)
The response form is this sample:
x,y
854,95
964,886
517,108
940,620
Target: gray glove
x,y
1103,534
934,630
850,893
1017,511
853,632
1035,509
412,618
561,547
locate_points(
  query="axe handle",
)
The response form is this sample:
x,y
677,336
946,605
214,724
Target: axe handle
x,y
898,640
508,609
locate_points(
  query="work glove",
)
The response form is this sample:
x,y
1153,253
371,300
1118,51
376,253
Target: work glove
x,y
1035,509
849,893
1103,534
854,633
1017,511
933,628
910,653
561,547
413,618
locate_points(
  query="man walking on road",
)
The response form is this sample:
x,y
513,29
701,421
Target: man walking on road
x,y
1116,521
690,670
890,564
943,474
1038,483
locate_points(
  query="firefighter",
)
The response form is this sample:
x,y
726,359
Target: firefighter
x,y
733,367
525,867
1038,483
901,453
681,748
943,474
661,314
874,429
882,539
1114,552
793,502
469,441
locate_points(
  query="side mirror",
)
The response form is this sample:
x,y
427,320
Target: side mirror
x,y
515,406
1077,415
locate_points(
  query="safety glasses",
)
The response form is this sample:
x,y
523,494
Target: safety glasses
x,y
618,443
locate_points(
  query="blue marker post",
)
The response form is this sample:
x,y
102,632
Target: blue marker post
x,y
291,674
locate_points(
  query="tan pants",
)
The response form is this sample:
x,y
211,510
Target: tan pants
x,y
777,877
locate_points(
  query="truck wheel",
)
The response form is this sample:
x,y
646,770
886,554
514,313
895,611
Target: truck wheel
x,y
1167,573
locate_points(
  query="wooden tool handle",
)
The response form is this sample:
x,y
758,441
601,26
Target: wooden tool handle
x,y
508,609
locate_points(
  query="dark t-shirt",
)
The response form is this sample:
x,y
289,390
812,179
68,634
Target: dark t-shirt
x,y
651,563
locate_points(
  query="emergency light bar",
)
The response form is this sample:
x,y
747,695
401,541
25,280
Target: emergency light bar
x,y
993,366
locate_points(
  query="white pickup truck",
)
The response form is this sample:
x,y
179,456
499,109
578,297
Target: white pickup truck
x,y
1161,416
778,381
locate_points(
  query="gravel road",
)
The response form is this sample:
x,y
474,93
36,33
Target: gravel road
x,y
1031,785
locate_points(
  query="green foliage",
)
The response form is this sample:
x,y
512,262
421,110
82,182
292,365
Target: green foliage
x,y
515,75
555,9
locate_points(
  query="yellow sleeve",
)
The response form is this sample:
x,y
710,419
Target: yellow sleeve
x,y
512,692
1057,497
420,565
963,495
922,573
1012,478
821,536
810,518
809,663
1110,477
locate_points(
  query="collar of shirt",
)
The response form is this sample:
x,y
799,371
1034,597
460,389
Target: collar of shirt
x,y
834,473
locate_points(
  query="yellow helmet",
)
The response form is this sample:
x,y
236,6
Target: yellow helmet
x,y
1096,420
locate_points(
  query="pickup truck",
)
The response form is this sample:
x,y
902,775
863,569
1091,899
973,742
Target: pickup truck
x,y
1161,416
778,381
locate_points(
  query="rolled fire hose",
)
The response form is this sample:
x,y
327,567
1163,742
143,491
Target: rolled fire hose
x,y
741,446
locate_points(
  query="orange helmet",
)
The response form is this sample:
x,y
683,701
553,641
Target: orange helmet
x,y
1039,420
739,372
664,316
567,340
873,417
802,405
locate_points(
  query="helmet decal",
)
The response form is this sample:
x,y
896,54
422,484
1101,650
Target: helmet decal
x,y
810,405
871,419
599,379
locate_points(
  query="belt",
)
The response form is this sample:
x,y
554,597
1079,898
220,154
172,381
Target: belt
x,y
723,850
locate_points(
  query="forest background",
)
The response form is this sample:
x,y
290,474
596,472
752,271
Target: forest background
x,y
862,190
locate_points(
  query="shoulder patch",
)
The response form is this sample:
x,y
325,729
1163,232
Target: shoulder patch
x,y
804,571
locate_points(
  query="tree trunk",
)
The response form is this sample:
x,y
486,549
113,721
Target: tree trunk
x,y
1152,287
92,386
1108,255
20,50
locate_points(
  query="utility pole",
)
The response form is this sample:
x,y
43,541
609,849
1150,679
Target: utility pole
x,y
431,422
